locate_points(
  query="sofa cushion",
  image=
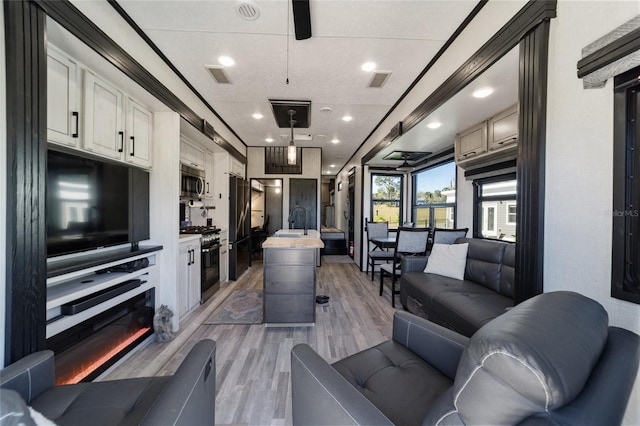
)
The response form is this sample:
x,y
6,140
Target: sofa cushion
x,y
448,260
484,260
425,287
508,271
122,402
466,312
395,380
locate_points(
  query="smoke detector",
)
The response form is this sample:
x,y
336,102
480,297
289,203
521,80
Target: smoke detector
x,y
247,10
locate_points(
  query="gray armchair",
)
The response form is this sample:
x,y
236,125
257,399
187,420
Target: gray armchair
x,y
550,360
186,398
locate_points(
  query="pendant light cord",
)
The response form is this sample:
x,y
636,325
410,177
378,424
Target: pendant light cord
x,y
288,21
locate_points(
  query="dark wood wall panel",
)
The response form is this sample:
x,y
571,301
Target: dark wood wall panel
x,y
26,167
531,162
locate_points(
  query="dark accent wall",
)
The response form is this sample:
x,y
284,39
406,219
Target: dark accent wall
x,y
304,193
275,161
531,162
25,296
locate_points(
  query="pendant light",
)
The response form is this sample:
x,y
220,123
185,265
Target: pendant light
x,y
291,151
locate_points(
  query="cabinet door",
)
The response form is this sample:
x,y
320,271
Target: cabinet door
x,y
103,127
236,168
139,125
471,142
194,280
184,267
62,99
192,155
208,173
503,129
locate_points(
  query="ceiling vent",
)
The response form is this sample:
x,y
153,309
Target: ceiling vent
x,y
247,10
218,74
378,78
296,137
281,114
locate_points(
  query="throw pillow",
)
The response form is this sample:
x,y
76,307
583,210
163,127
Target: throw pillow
x,y
448,260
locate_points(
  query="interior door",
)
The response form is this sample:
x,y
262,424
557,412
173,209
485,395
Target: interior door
x,y
304,193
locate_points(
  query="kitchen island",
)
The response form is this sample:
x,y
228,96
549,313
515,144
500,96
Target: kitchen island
x,y
290,260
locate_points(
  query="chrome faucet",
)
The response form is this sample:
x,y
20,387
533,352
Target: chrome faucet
x,y
292,217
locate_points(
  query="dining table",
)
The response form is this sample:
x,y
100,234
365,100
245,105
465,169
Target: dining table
x,y
388,242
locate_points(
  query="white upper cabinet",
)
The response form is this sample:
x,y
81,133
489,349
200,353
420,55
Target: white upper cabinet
x,y
63,119
471,142
191,154
503,129
138,138
103,126
93,114
236,167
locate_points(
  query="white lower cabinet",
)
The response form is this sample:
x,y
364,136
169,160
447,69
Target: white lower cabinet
x,y
189,264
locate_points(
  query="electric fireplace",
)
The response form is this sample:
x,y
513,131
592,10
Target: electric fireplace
x,y
86,350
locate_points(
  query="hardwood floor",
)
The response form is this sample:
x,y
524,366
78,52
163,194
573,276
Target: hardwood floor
x,y
253,361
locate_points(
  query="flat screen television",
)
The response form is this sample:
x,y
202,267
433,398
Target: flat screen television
x,y
92,204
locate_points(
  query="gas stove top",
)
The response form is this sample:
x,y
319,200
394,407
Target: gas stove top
x,y
199,230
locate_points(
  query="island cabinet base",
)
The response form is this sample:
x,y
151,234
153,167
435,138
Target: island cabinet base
x,y
289,285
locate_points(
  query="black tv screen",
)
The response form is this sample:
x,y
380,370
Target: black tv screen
x,y
88,204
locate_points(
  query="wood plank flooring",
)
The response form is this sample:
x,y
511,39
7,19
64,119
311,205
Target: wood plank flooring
x,y
253,361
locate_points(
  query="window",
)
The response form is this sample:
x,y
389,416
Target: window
x,y
386,199
511,214
625,262
434,197
496,208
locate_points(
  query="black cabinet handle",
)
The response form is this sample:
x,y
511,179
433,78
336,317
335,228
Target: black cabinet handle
x,y
76,116
207,187
121,141
133,146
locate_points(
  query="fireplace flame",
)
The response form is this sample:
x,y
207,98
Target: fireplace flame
x,y
110,353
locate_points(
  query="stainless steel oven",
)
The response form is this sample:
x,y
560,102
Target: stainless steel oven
x,y
191,182
210,256
210,282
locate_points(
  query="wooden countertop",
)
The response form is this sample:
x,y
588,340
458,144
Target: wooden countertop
x,y
310,241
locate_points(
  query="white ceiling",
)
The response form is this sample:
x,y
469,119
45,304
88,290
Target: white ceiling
x,y
399,36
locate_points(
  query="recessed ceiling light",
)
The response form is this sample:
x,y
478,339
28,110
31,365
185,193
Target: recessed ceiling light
x,y
332,165
434,125
326,109
269,140
257,116
368,66
226,61
482,93
335,141
347,118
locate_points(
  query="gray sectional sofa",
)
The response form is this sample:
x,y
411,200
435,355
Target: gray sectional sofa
x,y
464,306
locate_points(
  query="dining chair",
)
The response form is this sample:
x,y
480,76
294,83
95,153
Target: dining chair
x,y
446,236
409,242
377,230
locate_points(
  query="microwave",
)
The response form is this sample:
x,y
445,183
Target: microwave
x,y
191,182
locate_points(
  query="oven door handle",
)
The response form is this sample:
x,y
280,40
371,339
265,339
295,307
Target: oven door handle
x,y
212,248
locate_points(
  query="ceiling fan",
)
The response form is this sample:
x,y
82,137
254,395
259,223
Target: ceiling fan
x,y
301,19
405,166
